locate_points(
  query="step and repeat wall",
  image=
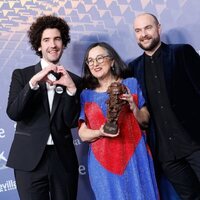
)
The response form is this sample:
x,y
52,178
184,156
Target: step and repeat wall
x,y
90,21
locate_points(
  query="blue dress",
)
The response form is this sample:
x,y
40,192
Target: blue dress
x,y
119,168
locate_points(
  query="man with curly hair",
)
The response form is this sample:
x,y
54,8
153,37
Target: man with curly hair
x,y
44,101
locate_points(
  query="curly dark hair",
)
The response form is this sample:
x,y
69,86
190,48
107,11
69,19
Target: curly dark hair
x,y
44,22
119,69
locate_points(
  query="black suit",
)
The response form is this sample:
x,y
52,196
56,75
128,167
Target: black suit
x,y
30,109
181,68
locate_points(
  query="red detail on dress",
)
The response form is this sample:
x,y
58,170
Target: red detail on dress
x,y
114,153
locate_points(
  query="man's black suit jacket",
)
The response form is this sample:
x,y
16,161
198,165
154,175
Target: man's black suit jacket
x,y
30,109
182,76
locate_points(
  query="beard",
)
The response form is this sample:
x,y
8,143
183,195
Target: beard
x,y
154,43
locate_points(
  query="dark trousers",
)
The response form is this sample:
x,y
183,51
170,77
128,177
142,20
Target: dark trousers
x,y
184,174
48,181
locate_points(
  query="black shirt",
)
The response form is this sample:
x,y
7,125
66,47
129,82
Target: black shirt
x,y
172,140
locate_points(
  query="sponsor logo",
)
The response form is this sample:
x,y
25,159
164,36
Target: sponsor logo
x,y
3,161
7,186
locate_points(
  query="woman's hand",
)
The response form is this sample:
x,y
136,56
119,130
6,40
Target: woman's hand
x,y
142,115
129,98
104,134
88,135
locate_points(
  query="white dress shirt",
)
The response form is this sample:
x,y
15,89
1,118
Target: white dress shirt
x,y
50,93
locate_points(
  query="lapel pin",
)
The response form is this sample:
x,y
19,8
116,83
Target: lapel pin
x,y
59,90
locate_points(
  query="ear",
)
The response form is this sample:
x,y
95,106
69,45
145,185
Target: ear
x,y
39,49
159,28
112,64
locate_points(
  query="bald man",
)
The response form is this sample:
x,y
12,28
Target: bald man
x,y
169,78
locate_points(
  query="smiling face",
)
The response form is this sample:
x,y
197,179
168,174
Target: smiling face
x,y
102,63
51,45
147,32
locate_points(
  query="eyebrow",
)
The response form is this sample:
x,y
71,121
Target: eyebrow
x,y
97,56
145,27
46,38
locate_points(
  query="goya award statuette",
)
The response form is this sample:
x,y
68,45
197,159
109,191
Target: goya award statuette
x,y
114,105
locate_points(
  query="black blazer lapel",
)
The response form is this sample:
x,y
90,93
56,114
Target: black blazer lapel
x,y
43,90
56,101
168,66
140,71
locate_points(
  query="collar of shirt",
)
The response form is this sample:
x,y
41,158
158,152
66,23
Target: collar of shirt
x,y
155,56
44,63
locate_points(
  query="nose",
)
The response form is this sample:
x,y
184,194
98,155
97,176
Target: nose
x,y
143,32
52,43
96,62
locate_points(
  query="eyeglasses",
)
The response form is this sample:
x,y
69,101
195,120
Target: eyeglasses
x,y
99,59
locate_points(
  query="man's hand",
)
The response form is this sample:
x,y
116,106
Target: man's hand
x,y
65,80
42,76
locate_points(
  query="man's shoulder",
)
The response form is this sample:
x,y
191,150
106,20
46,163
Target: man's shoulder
x,y
177,46
136,61
26,69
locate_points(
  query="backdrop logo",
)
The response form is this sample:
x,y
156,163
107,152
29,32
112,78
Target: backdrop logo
x,y
2,133
7,186
82,170
15,125
76,142
3,161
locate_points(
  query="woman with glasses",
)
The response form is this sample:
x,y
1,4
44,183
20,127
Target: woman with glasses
x,y
120,165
